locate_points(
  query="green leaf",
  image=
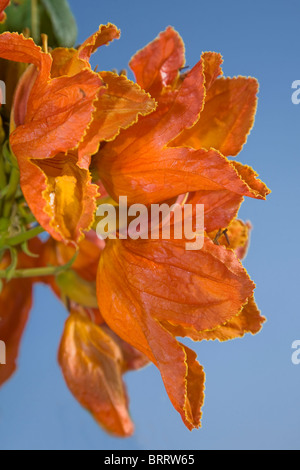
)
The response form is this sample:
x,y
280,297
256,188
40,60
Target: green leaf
x,y
62,20
18,16
54,18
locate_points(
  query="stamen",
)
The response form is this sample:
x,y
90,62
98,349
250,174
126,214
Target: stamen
x,y
44,43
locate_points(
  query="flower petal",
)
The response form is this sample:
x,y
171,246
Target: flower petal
x,y
67,203
249,320
66,107
143,285
220,207
158,64
133,359
227,117
92,366
15,305
250,177
105,35
117,108
66,62
212,68
3,4
151,176
21,96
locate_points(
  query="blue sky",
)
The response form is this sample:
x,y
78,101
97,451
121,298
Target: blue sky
x,y
252,394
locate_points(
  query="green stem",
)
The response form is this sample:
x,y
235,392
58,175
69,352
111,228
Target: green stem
x,y
10,195
2,178
2,173
24,237
35,20
39,272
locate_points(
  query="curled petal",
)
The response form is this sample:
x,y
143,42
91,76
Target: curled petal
x,y
117,108
21,97
62,198
67,204
212,68
92,366
250,177
66,107
143,285
158,64
249,320
105,35
71,61
222,206
227,117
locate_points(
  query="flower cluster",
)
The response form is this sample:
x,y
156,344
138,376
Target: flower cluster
x,y
73,138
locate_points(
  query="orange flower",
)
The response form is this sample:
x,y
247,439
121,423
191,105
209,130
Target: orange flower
x,y
70,120
60,105
150,292
93,360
